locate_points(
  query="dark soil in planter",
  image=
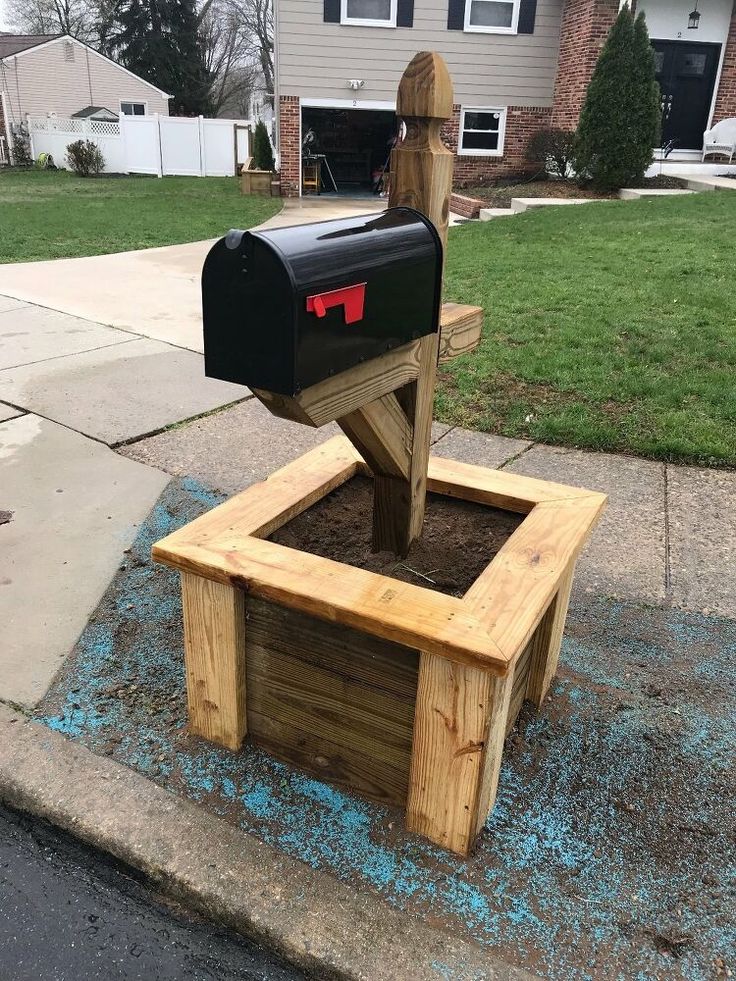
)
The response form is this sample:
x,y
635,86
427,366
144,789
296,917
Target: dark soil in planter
x,y
459,539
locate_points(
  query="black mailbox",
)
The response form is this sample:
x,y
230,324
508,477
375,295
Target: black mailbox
x,y
287,307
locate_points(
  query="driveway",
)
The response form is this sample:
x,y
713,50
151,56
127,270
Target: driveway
x,y
153,292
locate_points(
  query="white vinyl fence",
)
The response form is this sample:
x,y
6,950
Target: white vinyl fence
x,y
149,144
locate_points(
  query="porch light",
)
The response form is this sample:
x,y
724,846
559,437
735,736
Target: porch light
x,y
694,19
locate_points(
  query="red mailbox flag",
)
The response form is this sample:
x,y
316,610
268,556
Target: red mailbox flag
x,y
352,298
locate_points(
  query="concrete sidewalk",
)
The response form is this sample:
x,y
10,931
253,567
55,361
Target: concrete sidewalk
x,y
69,390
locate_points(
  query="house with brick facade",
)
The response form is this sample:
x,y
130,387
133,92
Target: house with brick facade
x,y
517,66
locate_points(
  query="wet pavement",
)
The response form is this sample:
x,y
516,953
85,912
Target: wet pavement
x,y
69,914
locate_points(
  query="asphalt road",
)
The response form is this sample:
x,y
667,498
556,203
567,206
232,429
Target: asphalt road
x,y
69,914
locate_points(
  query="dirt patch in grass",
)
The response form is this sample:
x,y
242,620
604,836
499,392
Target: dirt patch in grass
x,y
459,538
496,397
500,195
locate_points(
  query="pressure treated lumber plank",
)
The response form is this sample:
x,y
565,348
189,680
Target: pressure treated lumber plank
x,y
547,641
510,491
460,330
492,755
399,499
332,700
366,774
335,397
513,592
421,178
341,711
519,686
262,508
509,598
383,435
353,656
344,712
459,711
214,658
379,605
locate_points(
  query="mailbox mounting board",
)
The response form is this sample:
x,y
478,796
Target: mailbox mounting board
x,y
286,308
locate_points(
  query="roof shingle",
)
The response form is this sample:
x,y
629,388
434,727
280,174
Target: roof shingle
x,y
11,44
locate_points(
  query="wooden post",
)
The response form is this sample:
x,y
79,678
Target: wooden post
x,y
459,729
421,178
214,656
547,641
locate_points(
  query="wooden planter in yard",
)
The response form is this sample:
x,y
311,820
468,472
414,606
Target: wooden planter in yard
x,y
257,182
401,693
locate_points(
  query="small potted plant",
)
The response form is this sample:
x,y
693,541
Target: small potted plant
x,y
257,178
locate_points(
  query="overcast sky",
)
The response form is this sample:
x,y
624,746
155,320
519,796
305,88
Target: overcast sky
x,y
4,25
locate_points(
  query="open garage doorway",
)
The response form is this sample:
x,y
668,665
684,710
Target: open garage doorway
x,y
350,145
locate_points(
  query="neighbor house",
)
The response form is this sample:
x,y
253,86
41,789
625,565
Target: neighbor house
x,y
41,76
517,66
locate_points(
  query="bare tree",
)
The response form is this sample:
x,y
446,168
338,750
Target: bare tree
x,y
75,17
232,76
245,26
258,22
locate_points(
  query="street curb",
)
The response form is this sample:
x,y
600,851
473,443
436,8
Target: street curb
x,y
307,917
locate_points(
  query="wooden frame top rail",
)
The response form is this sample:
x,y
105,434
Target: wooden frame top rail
x,y
488,627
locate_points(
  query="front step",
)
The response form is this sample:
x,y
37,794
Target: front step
x,y
712,184
488,214
637,193
526,204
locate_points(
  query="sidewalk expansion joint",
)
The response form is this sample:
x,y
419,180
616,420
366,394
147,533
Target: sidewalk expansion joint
x,y
667,541
516,456
56,422
179,423
72,354
439,439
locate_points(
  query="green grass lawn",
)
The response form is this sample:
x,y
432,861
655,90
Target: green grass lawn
x,y
608,326
50,215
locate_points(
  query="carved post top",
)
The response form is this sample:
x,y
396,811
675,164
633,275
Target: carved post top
x,y
425,89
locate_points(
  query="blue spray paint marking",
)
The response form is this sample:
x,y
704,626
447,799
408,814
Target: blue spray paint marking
x,y
612,841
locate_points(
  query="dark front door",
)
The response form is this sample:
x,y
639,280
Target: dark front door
x,y
686,73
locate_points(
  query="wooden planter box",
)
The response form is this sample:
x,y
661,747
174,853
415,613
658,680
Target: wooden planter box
x,y
401,693
257,182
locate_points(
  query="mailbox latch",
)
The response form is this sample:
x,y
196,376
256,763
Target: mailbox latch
x,y
352,298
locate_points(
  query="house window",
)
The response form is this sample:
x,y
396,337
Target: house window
x,y
133,108
492,16
482,132
368,13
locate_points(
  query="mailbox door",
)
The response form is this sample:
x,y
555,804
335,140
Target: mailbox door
x,y
248,315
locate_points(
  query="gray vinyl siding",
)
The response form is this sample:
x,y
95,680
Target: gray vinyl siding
x,y
46,79
315,59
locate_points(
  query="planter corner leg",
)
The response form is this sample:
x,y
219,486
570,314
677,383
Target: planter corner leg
x,y
459,729
214,655
547,642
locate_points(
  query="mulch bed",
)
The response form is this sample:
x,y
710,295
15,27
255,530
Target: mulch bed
x,y
500,195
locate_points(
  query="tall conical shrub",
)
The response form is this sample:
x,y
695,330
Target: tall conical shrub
x,y
262,152
619,123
